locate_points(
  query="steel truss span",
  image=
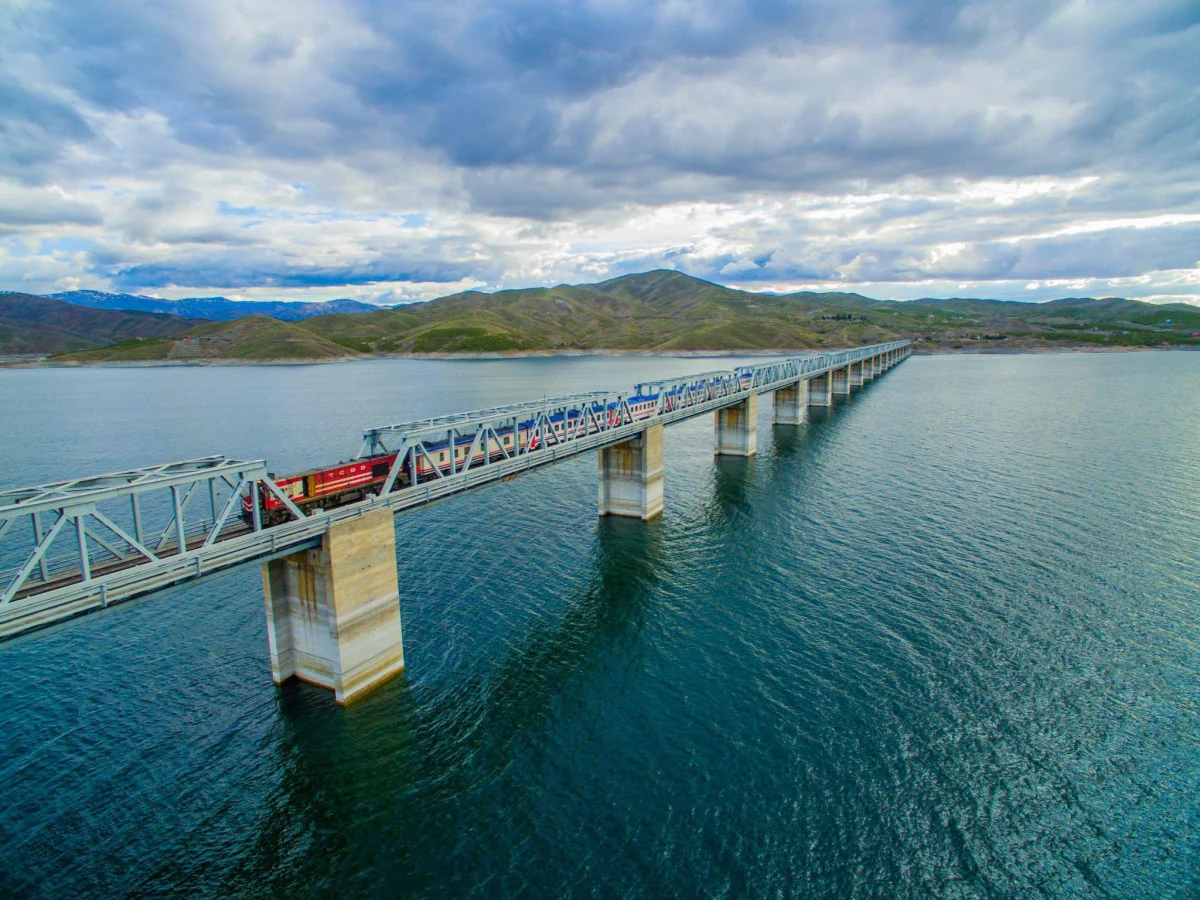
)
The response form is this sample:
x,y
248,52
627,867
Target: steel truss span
x,y
91,542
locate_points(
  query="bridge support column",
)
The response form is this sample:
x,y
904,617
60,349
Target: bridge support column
x,y
855,371
736,428
820,390
868,370
333,613
841,380
631,476
791,404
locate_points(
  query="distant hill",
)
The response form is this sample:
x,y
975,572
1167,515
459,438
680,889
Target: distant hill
x,y
215,309
252,338
34,325
1111,321
667,311
662,311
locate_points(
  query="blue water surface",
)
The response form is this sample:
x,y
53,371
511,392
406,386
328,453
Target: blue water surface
x,y
943,641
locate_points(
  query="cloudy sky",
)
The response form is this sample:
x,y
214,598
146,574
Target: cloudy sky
x,y
393,150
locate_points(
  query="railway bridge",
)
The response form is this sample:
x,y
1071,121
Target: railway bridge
x,y
329,574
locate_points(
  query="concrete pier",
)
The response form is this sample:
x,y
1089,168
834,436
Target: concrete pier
x,y
841,380
736,428
790,404
820,390
333,613
855,371
631,476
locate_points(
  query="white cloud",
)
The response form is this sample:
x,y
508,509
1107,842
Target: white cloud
x,y
332,148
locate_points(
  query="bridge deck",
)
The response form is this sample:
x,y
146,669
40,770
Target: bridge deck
x,y
140,570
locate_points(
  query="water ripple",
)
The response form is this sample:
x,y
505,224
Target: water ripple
x,y
940,642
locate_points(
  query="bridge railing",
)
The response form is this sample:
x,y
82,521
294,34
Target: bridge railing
x,y
560,422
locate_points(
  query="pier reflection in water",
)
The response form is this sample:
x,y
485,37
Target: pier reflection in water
x,y
410,777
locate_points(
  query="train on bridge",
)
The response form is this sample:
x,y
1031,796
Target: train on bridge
x,y
356,479
96,541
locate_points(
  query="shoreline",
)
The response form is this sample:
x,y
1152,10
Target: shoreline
x,y
45,362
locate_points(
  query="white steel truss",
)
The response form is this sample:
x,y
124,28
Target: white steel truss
x,y
85,508
560,422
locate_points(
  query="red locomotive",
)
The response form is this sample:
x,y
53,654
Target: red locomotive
x,y
351,481
321,488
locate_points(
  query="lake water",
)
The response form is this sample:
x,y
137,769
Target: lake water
x,y
944,641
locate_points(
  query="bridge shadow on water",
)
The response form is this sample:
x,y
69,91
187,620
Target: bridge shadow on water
x,y
384,791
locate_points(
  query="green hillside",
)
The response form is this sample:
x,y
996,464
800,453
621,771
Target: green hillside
x,y
37,325
654,311
251,338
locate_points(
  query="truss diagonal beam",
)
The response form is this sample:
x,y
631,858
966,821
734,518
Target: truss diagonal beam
x,y
116,529
105,545
35,558
235,499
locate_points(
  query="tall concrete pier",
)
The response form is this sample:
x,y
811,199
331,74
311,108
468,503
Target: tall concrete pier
x,y
333,613
820,390
841,380
631,476
790,404
736,428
